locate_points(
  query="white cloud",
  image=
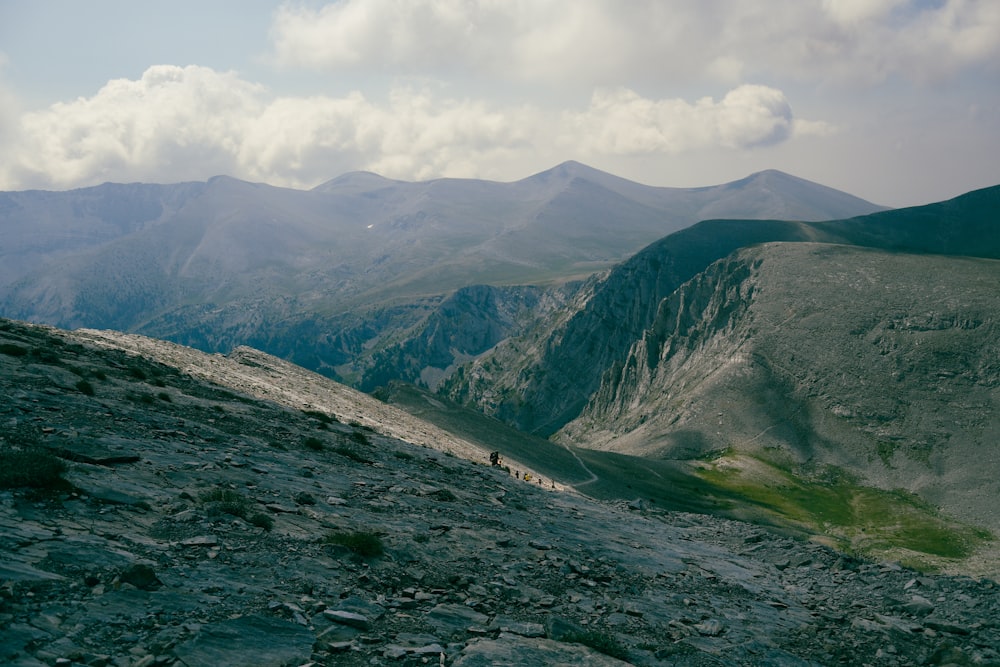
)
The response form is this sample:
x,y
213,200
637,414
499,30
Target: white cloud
x,y
853,12
622,122
164,125
606,43
176,124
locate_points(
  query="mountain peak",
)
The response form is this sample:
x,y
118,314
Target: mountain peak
x,y
569,170
355,181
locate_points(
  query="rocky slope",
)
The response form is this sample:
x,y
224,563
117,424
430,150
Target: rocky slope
x,y
202,525
882,364
543,379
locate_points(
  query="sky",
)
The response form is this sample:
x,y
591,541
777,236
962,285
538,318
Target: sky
x,y
896,101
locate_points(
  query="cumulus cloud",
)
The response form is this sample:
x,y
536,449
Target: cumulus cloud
x,y
157,126
187,123
622,122
604,42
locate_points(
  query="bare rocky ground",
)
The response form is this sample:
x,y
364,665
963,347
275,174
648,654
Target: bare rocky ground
x,y
202,525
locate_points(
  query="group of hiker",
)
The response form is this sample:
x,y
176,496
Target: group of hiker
x,y
497,462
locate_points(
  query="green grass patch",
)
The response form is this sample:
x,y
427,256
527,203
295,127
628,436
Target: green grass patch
x,y
857,519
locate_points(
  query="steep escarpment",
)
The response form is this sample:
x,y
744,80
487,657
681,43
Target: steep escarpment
x,y
882,364
543,380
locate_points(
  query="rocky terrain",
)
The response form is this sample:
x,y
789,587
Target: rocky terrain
x,y
881,363
238,511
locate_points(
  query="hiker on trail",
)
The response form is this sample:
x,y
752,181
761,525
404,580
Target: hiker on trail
x,y
495,459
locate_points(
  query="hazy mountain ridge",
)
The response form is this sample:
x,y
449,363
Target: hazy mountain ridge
x,y
569,355
226,262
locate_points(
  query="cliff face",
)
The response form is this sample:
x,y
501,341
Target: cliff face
x,y
465,325
883,364
543,380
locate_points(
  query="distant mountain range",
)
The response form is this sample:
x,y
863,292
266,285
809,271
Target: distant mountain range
x,y
331,276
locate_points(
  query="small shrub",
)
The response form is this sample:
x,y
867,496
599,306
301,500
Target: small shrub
x,y
145,399
403,456
353,454
362,543
323,417
158,382
225,501
313,443
360,438
444,494
603,642
100,375
261,520
45,356
304,498
137,372
30,467
164,396
12,350
85,388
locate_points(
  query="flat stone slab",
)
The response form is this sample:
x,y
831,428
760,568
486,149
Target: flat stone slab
x,y
516,651
455,618
248,640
